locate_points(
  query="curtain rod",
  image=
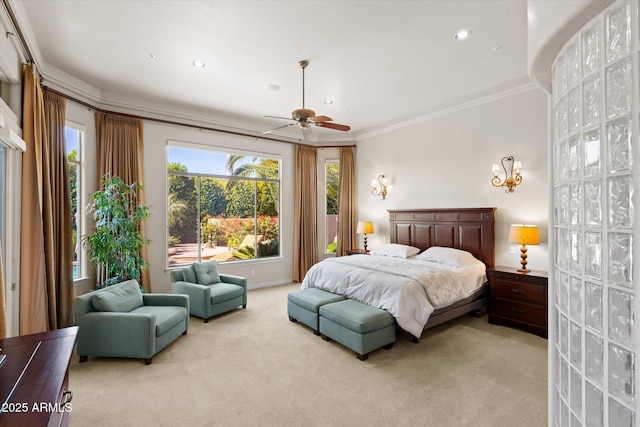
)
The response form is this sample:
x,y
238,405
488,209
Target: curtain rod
x,y
20,35
171,122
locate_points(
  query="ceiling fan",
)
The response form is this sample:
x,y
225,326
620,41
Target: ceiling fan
x,y
303,117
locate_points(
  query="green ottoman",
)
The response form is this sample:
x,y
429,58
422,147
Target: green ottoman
x,y
357,326
303,306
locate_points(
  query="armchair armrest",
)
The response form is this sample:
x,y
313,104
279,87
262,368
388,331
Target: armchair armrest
x,y
166,299
116,334
235,280
199,296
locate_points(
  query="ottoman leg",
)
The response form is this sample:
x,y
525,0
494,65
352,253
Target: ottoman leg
x,y
388,346
324,337
362,356
291,319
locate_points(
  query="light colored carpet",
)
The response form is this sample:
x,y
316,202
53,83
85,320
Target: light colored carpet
x,y
254,367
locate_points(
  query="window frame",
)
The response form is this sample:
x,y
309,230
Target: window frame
x,y
81,225
11,170
328,162
199,176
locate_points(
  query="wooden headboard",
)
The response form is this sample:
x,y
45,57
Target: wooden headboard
x,y
469,229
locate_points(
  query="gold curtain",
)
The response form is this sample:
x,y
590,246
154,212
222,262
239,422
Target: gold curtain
x,y
3,307
119,145
305,247
346,203
58,232
45,235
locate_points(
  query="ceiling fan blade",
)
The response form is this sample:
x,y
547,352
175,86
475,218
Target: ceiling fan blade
x,y
278,117
335,126
318,119
279,127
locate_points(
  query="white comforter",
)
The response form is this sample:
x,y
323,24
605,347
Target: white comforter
x,y
409,289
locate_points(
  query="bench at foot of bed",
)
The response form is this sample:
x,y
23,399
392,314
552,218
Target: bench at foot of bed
x,y
357,326
303,306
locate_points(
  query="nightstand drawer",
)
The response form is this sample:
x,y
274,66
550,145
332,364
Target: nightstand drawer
x,y
518,291
522,312
518,277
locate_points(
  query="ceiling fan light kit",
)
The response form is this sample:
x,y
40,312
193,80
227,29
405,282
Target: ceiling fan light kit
x,y
304,117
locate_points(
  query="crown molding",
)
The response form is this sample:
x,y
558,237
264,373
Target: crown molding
x,y
449,110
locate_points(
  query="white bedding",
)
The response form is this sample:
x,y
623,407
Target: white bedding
x,y
410,289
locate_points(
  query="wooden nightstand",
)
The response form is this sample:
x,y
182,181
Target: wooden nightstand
x,y
519,299
357,252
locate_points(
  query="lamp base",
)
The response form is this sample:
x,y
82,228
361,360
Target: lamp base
x,y
365,242
523,260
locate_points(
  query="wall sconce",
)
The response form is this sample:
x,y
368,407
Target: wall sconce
x,y
512,176
364,227
379,186
524,234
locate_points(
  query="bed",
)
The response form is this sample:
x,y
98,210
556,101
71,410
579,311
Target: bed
x,y
403,289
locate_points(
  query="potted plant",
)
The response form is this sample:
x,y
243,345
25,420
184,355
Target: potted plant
x,y
116,243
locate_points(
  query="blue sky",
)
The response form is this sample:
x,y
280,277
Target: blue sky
x,y
199,161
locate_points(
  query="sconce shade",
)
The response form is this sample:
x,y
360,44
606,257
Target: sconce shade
x,y
524,234
364,227
379,186
512,176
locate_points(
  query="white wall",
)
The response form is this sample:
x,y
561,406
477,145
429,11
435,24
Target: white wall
x,y
445,162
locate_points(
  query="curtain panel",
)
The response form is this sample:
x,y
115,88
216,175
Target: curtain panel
x,y
346,202
305,251
45,236
59,249
119,146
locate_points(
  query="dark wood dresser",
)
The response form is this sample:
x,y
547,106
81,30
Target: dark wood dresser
x,y
519,299
35,377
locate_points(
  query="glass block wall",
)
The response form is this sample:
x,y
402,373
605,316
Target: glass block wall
x,y
596,173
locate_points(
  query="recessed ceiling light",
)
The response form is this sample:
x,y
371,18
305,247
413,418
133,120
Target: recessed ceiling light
x,y
273,87
198,64
463,35
328,101
152,56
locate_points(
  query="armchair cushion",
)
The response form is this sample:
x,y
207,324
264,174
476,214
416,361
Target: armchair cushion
x,y
122,299
207,272
189,275
166,316
225,291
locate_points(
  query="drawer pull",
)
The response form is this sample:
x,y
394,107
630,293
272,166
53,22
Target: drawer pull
x,y
66,397
517,291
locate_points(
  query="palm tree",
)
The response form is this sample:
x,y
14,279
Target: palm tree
x,y
257,167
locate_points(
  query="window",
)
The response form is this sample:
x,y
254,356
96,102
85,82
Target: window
x,y
73,146
332,179
221,205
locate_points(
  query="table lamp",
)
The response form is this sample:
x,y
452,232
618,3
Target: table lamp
x,y
365,228
524,234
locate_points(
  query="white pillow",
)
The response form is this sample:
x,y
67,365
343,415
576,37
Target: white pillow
x,y
449,256
395,250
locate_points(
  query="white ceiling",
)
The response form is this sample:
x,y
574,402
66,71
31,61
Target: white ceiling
x,y
381,62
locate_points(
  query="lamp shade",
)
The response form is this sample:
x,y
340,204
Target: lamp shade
x,y
524,234
364,227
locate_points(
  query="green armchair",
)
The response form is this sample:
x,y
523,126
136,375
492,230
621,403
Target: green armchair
x,y
121,321
210,293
